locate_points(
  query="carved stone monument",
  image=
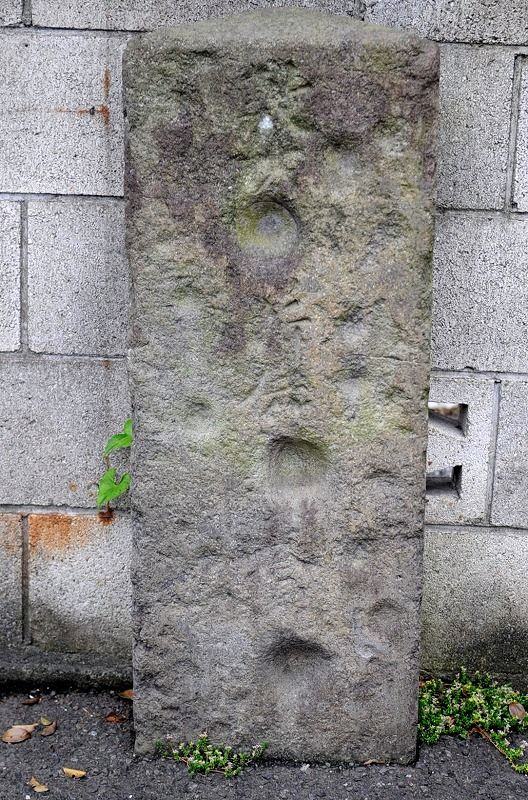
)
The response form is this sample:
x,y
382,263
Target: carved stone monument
x,y
280,225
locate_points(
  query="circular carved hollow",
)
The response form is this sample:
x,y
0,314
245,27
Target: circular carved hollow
x,y
267,228
296,462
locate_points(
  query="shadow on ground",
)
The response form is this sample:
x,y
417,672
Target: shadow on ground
x,y
451,770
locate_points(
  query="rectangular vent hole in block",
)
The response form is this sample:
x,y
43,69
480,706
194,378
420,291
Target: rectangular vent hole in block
x,y
447,479
453,415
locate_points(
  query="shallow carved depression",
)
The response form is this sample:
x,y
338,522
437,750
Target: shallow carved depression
x,y
292,654
295,462
267,228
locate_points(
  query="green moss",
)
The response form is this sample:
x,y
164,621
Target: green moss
x,y
474,705
202,757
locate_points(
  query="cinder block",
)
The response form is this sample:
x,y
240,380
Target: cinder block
x,y
475,101
78,277
480,297
10,579
56,418
9,276
475,601
79,584
510,497
468,21
150,14
468,447
64,129
520,187
10,12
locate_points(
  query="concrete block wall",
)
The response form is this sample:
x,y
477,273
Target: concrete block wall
x,y
476,589
64,573
63,325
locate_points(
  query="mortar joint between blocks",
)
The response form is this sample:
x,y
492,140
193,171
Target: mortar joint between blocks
x,y
24,276
27,13
26,618
492,459
509,204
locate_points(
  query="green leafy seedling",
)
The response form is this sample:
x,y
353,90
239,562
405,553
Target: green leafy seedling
x,y
119,440
111,487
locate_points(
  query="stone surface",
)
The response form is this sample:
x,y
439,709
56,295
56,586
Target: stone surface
x,y
280,237
79,584
77,284
479,300
475,603
10,579
520,185
9,276
475,104
469,447
510,499
455,20
64,130
149,14
56,419
10,12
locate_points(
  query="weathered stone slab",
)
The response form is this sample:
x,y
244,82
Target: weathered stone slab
x,y
279,234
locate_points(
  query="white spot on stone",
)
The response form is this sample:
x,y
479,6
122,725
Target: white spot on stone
x,y
266,123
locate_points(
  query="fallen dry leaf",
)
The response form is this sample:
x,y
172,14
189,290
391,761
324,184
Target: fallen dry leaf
x,y
18,733
31,700
113,716
37,786
517,710
49,729
128,694
74,773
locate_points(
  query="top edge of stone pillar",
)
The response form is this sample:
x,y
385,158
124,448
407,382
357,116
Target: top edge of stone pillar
x,y
275,27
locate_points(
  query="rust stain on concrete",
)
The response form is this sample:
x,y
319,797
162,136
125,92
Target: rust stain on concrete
x,y
106,516
59,532
107,82
103,111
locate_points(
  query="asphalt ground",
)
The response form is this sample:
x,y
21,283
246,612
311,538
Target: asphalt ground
x,y
85,740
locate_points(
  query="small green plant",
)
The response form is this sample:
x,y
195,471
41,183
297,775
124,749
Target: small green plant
x,y
202,757
110,487
474,705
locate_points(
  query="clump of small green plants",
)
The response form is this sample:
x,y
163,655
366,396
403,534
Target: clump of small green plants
x,y
201,757
110,486
474,705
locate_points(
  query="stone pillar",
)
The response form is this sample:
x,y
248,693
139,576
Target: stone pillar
x,y
280,227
